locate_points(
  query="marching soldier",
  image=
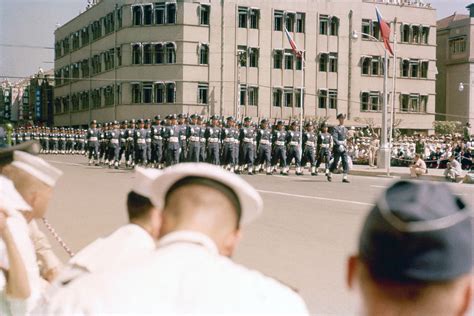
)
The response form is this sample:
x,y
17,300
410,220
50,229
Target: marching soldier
x,y
114,145
339,135
130,150
202,137
294,150
309,147
123,140
139,139
279,148
182,123
62,141
324,148
148,139
172,135
54,141
264,142
93,143
81,142
213,137
247,138
157,143
229,135
194,140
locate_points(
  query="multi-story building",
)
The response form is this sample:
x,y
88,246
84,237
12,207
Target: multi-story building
x,y
123,59
455,61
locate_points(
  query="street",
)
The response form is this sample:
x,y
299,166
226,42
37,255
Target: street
x,y
308,228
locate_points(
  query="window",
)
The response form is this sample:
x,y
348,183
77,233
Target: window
x,y
290,21
298,98
243,17
424,69
334,26
96,98
160,13
147,14
375,66
243,94
322,98
423,103
109,96
405,64
136,54
66,104
75,71
75,102
242,55
299,62
323,24
414,105
136,93
253,57
416,34
333,62
204,14
457,45
66,75
300,22
277,95
85,100
414,68
278,20
170,92
75,41
254,18
171,53
118,90
171,13
159,54
159,92
405,33
366,65
366,27
57,78
96,29
371,28
147,54
404,101
289,58
323,62
333,99
203,92
57,105
136,15
203,54
119,56
370,101
109,23
109,59
85,36
85,68
147,92
425,34
57,50
253,96
66,46
119,17
277,59
289,97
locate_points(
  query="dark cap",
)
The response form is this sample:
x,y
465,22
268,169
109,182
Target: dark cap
x,y
93,122
247,119
214,117
341,115
263,121
157,118
140,121
294,123
309,124
194,116
180,115
133,121
147,121
125,122
172,117
115,123
280,122
418,232
231,118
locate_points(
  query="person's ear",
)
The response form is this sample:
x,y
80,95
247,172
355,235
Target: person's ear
x,y
230,243
352,265
468,296
156,222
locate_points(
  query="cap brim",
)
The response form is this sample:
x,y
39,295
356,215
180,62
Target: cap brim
x,y
250,201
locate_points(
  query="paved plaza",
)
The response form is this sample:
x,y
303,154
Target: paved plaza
x,y
308,228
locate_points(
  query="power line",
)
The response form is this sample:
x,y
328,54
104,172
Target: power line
x,y
25,46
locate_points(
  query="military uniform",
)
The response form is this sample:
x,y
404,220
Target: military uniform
x,y
264,141
324,150
248,138
309,149
172,135
339,136
93,143
279,148
294,150
229,155
182,138
213,137
139,140
130,145
193,135
202,137
114,146
157,143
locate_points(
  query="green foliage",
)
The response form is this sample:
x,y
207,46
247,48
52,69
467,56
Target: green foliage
x,y
446,127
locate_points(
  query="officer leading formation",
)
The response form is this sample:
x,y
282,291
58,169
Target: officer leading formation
x,y
240,147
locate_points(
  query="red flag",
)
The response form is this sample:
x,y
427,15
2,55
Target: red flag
x,y
385,31
293,44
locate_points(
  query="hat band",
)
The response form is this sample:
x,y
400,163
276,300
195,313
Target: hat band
x,y
35,173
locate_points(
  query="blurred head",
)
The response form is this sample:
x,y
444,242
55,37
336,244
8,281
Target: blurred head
x,y
142,212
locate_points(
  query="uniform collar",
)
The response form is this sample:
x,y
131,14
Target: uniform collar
x,y
191,237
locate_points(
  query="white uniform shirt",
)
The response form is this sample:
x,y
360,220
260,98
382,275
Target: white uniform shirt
x,y
185,275
12,202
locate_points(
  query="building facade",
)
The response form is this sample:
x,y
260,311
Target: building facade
x,y
455,61
127,59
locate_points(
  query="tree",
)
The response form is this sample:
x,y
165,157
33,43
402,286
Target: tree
x,y
446,127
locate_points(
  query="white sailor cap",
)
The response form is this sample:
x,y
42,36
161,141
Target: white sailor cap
x,y
10,199
143,181
251,204
36,167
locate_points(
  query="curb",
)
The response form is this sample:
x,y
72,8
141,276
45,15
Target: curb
x,y
399,175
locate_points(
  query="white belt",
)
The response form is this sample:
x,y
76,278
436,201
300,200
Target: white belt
x,y
130,139
114,141
140,141
213,140
229,140
157,137
236,141
173,139
203,140
279,143
81,140
248,140
27,138
182,137
194,138
294,143
325,145
148,140
54,138
264,142
91,139
310,144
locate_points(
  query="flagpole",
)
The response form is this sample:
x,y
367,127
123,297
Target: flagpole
x,y
301,105
383,135
392,114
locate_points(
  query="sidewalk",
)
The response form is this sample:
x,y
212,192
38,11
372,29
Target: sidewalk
x,y
398,172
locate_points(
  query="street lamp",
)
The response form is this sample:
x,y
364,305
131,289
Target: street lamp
x,y
462,86
383,162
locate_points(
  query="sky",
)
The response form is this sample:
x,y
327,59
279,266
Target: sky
x,y
32,22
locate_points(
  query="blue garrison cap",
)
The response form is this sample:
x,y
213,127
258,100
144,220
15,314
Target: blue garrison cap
x,y
418,232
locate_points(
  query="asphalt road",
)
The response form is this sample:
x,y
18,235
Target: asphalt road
x,y
308,229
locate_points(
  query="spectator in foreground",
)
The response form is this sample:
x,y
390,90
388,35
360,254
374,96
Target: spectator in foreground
x,y
418,167
415,253
453,169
